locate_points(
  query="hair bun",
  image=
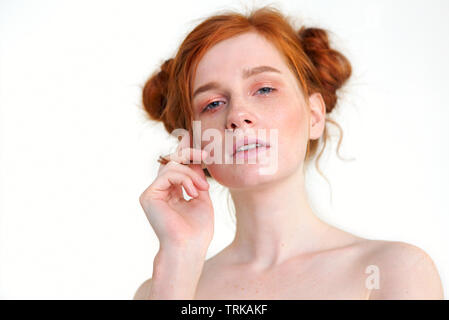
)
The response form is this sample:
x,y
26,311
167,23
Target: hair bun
x,y
333,68
154,95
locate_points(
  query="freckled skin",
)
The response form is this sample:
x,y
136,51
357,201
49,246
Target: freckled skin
x,y
283,109
335,267
281,249
406,272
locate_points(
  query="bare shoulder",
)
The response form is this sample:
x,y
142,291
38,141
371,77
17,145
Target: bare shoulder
x,y
143,290
405,271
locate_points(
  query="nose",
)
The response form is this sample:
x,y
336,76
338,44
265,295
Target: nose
x,y
239,119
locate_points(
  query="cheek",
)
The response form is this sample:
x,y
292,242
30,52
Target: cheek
x,y
295,124
292,135
290,119
210,125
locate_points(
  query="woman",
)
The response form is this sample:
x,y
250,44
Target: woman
x,y
246,73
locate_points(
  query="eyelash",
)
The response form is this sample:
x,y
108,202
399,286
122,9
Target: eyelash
x,y
207,107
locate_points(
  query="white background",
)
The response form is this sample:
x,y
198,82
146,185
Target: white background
x,y
76,150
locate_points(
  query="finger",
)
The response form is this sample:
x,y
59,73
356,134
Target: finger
x,y
199,181
194,154
188,156
173,178
186,182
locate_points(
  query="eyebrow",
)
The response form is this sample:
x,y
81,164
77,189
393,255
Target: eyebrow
x,y
245,75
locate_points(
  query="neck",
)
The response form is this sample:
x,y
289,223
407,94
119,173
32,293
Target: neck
x,y
275,222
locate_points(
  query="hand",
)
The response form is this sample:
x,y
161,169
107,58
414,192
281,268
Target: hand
x,y
180,223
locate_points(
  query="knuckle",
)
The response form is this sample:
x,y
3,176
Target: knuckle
x,y
171,164
187,171
172,176
143,197
162,169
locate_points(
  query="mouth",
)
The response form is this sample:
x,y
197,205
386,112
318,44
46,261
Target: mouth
x,y
245,145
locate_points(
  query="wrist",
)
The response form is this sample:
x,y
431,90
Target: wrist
x,y
179,259
176,274
185,249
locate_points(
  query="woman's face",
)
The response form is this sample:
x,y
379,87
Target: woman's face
x,y
270,100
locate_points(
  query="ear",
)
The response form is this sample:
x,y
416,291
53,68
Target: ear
x,y
317,115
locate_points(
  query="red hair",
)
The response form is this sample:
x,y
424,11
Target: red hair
x,y
167,94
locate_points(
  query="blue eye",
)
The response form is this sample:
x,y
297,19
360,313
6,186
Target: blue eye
x,y
271,89
211,105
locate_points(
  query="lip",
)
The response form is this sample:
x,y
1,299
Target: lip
x,y
248,140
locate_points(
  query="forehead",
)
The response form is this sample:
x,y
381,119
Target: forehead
x,y
229,57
